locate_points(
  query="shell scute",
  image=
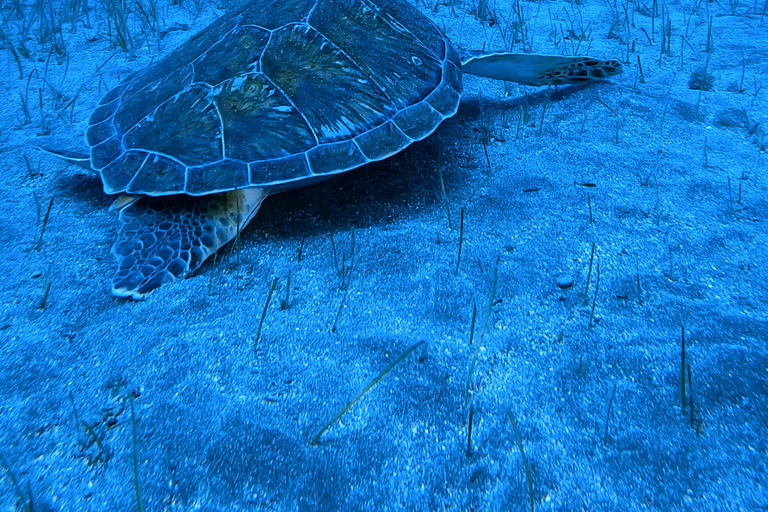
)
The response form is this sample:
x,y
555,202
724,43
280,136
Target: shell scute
x,y
272,14
158,173
98,133
106,152
113,94
419,120
118,174
184,55
187,127
382,141
335,96
102,113
237,54
250,105
444,99
417,24
403,67
336,157
278,170
203,179
139,105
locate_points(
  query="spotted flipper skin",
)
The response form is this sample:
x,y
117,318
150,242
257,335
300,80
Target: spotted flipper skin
x,y
538,70
165,238
581,70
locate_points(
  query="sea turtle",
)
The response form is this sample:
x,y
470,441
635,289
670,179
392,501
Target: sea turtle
x,y
275,95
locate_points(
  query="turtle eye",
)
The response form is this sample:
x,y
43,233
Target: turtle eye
x,y
416,60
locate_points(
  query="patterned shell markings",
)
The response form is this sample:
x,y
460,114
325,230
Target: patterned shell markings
x,y
274,93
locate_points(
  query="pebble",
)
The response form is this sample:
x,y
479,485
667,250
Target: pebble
x,y
564,281
36,274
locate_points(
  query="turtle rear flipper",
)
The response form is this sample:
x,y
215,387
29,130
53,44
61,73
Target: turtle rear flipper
x,y
537,70
165,238
73,157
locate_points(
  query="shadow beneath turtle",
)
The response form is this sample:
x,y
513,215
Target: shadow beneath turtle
x,y
82,187
376,194
473,107
381,192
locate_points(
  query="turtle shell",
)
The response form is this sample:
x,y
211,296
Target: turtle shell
x,y
275,93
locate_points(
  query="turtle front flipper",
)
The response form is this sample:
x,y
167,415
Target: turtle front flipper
x,y
165,238
537,70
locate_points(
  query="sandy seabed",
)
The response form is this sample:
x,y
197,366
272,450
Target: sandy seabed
x,y
613,216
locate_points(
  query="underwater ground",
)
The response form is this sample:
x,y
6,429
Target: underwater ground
x,y
554,249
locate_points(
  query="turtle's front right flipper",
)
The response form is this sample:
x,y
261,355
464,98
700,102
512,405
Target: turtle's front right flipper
x,y
165,238
537,70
